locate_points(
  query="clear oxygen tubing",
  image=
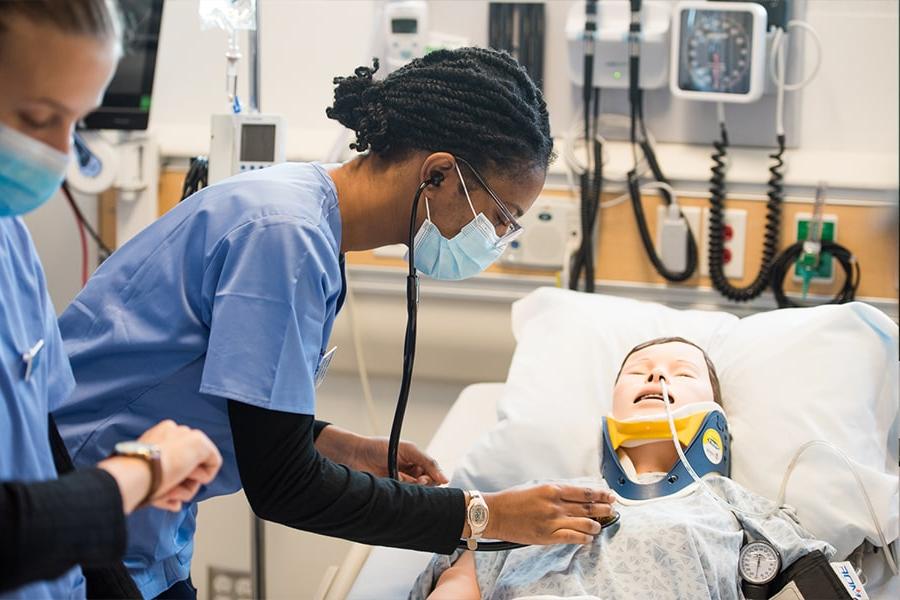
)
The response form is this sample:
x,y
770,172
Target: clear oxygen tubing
x,y
885,546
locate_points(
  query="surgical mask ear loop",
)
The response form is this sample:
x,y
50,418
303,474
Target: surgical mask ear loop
x,y
465,190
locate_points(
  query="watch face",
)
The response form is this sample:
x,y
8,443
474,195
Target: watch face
x,y
136,448
478,515
759,563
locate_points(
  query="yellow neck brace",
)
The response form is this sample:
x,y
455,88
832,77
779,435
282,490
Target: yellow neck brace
x,y
654,428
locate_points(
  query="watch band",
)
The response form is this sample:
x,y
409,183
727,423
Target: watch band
x,y
150,453
477,516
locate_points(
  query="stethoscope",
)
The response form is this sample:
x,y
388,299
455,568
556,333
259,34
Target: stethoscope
x,y
409,356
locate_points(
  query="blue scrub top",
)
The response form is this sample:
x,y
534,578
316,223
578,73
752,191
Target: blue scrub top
x,y
231,294
26,318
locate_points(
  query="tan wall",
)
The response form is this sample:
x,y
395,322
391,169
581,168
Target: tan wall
x,y
869,231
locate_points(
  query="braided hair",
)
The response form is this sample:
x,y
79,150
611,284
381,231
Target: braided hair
x,y
475,103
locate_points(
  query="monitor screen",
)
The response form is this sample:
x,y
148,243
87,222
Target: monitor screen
x,y
257,143
126,104
404,26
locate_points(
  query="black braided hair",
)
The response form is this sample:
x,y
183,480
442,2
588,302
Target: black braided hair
x,y
475,103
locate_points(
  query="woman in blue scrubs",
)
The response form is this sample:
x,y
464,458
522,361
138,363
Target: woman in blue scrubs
x,y
56,57
218,315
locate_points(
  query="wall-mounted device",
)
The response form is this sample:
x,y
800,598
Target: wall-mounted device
x,y
126,102
244,142
550,225
405,31
611,43
718,51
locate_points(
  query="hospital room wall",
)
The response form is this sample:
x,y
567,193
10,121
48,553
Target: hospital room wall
x,y
851,106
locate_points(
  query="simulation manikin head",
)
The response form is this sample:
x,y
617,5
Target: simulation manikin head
x,y
689,373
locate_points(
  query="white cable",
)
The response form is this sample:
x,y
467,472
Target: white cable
x,y
690,469
360,358
885,546
888,555
777,44
662,185
778,68
720,112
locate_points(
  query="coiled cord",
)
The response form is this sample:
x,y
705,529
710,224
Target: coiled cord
x,y
786,261
717,221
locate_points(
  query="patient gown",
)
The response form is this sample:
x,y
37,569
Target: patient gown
x,y
676,547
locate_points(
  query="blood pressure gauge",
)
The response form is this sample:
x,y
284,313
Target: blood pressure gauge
x,y
759,563
718,51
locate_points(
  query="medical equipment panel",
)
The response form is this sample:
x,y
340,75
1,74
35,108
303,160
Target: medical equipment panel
x,y
718,51
126,103
549,227
244,142
610,49
405,27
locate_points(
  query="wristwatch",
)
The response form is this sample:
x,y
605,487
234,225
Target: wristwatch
x,y
477,515
149,453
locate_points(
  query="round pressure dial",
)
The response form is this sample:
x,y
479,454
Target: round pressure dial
x,y
718,52
759,563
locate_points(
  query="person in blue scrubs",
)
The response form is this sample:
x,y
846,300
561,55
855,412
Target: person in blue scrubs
x,y
218,315
56,58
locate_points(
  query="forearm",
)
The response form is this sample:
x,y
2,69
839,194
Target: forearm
x,y
132,476
334,443
288,481
50,526
459,582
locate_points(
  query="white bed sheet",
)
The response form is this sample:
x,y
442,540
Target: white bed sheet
x,y
389,573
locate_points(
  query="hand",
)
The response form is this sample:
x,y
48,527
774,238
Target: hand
x,y
548,513
189,460
413,465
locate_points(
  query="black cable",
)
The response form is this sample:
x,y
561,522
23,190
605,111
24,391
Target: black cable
x,y
591,180
101,246
785,261
409,356
717,197
638,124
197,177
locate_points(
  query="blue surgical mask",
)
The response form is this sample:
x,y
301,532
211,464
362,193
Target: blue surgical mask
x,y
467,254
30,172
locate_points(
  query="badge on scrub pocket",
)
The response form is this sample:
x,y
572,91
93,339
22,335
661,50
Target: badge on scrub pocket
x,y
324,363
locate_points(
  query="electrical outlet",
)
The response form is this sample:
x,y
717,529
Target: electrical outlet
x,y
825,272
735,225
693,214
229,584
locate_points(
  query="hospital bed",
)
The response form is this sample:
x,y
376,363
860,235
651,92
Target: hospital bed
x,y
385,573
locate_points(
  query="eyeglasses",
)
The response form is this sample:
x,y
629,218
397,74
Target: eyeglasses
x,y
514,229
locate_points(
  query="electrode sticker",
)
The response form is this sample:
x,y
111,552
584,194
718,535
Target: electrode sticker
x,y
712,446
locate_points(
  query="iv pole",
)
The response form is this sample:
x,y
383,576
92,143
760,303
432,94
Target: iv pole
x,y
257,525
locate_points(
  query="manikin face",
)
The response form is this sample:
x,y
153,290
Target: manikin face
x,y
638,390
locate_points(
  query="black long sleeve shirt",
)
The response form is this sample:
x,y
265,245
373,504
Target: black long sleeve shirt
x,y
50,526
287,481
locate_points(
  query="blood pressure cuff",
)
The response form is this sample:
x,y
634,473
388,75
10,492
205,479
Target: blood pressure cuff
x,y
813,577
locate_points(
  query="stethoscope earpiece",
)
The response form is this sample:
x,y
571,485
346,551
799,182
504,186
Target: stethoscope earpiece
x,y
436,178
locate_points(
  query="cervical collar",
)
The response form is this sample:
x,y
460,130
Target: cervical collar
x,y
702,429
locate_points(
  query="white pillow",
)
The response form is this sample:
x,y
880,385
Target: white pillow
x,y
828,373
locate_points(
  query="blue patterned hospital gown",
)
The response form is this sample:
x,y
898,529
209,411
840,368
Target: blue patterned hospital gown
x,y
672,548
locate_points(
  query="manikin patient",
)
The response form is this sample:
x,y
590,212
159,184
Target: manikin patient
x,y
674,540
